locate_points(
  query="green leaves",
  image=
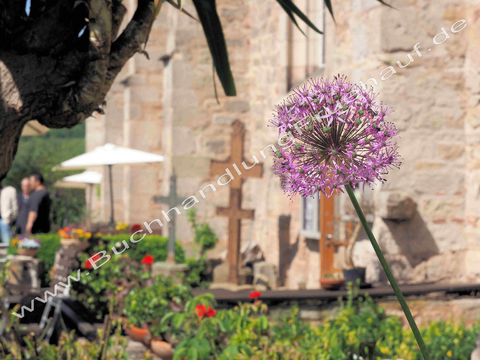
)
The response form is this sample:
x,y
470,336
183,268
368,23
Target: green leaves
x,y
212,28
291,9
328,3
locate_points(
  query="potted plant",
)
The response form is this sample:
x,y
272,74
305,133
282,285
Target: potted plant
x,y
352,273
27,246
77,238
145,307
332,281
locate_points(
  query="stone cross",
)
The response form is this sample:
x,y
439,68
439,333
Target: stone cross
x,y
171,200
234,212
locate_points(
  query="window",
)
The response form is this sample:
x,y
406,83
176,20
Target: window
x,y
306,54
309,217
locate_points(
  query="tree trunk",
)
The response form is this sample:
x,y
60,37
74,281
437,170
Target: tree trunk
x,y
51,74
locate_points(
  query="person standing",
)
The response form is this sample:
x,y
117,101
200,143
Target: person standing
x,y
23,206
39,209
8,212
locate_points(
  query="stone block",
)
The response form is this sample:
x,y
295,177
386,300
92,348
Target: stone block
x,y
261,280
451,151
267,271
25,271
215,146
245,276
220,273
191,166
223,119
237,106
133,80
165,269
182,141
144,94
395,206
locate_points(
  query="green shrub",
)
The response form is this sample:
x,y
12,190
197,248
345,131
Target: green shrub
x,y
150,304
122,273
154,245
360,329
204,236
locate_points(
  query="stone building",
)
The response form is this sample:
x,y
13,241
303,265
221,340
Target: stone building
x,y
426,216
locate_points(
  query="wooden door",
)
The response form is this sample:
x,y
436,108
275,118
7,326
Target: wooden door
x,y
329,238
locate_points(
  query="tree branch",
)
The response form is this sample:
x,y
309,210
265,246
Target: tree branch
x,y
132,39
100,29
118,13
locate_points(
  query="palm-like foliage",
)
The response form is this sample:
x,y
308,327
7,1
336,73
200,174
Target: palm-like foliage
x,y
212,27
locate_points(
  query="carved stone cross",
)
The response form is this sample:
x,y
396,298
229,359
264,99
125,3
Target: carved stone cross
x,y
234,212
171,200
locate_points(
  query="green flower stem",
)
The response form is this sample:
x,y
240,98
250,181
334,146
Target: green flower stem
x,y
390,277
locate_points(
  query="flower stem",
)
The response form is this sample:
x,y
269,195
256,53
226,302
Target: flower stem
x,y
390,276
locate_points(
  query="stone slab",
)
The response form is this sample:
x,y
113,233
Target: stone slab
x,y
265,272
25,271
169,270
231,287
395,206
220,273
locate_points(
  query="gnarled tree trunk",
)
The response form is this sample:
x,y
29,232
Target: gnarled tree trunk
x,y
58,62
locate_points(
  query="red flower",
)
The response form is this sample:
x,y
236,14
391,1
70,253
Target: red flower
x,y
201,310
148,260
210,312
88,263
255,295
136,227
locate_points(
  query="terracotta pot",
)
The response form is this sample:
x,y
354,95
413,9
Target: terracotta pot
x,y
27,252
331,284
162,349
136,334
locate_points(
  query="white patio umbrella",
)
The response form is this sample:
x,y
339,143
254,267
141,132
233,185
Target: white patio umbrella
x,y
80,181
85,180
109,155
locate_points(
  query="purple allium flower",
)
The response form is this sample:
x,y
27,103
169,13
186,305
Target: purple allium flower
x,y
340,137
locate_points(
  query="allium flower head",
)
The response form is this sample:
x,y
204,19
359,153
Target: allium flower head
x,y
334,134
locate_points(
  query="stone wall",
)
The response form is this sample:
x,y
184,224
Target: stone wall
x,y
167,105
433,97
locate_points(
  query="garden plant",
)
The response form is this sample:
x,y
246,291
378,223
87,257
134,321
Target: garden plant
x,y
360,329
337,138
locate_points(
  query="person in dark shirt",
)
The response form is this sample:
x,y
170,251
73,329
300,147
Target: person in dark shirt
x,y
23,206
39,209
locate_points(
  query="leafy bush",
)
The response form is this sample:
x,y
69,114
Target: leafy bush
x,y
122,273
154,245
360,329
204,236
149,305
117,277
